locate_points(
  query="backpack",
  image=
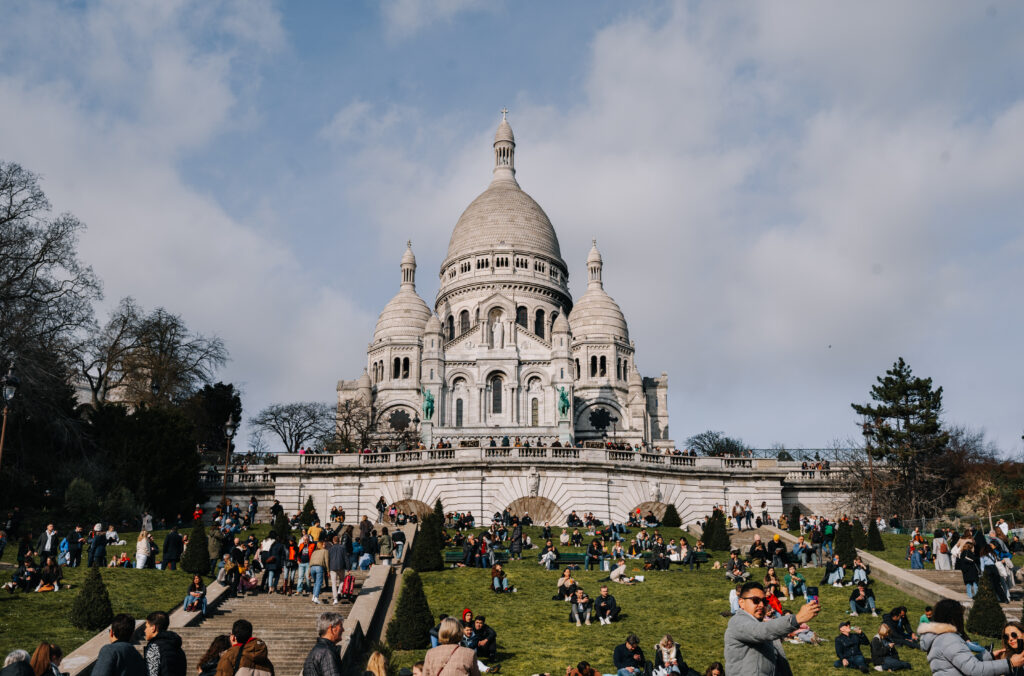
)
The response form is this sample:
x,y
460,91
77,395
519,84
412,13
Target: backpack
x,y
348,585
828,530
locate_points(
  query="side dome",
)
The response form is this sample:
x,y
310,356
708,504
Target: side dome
x,y
405,316
433,325
596,315
504,214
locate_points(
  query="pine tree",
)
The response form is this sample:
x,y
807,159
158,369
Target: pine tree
x,y
439,512
875,543
411,624
197,557
306,517
986,617
426,548
794,518
671,519
844,544
91,608
860,536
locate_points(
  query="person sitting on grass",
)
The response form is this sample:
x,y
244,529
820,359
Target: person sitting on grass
x,y
795,583
619,574
883,652
803,633
50,576
758,553
606,609
801,551
449,655
548,555
563,539
628,658
195,599
635,551
777,551
862,600
499,581
566,587
26,577
582,669
617,551
834,572
861,571
899,626
715,669
576,540
485,638
593,555
736,568
581,608
848,645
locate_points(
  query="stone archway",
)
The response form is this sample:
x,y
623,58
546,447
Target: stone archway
x,y
657,507
417,507
540,510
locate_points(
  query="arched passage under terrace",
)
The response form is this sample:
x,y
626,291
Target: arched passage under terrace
x,y
540,510
657,507
417,507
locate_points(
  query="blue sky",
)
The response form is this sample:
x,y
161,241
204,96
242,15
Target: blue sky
x,y
788,196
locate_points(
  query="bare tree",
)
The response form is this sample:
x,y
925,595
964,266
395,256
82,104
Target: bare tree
x,y
296,424
354,424
103,362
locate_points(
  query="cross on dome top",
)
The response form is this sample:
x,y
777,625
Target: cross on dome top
x,y
504,112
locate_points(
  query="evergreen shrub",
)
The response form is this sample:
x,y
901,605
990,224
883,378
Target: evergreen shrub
x,y
91,608
426,552
860,536
794,518
306,517
671,519
197,556
875,543
844,543
986,616
411,624
715,536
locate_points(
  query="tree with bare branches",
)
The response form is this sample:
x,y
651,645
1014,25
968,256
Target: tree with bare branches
x,y
296,424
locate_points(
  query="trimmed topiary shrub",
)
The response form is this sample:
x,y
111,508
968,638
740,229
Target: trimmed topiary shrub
x,y
715,536
794,518
874,543
844,543
986,616
439,512
411,624
306,517
671,519
197,557
426,548
280,526
91,608
860,536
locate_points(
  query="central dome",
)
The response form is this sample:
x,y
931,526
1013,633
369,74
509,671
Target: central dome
x,y
504,215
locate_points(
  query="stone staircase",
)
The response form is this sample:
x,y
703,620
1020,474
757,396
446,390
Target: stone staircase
x,y
953,580
287,624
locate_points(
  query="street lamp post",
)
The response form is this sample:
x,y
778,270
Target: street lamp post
x,y
229,432
10,384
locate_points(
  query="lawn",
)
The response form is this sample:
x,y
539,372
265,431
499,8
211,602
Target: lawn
x,y
27,619
535,635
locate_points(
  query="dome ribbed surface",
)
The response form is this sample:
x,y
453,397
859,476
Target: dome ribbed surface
x,y
433,324
504,132
405,316
597,315
504,213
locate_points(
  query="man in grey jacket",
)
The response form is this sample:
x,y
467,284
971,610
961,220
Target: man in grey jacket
x,y
119,657
753,646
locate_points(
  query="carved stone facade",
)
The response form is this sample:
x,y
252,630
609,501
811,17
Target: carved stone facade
x,y
505,352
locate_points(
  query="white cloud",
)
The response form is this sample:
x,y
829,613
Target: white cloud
x,y
404,18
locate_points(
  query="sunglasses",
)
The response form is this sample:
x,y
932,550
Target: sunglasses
x,y
756,600
1012,636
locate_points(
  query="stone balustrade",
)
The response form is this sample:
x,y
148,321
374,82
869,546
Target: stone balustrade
x,y
544,455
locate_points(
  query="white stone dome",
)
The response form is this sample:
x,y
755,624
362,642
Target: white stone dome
x,y
597,315
504,215
405,316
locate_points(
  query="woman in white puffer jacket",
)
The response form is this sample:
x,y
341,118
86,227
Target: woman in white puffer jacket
x,y
945,641
142,549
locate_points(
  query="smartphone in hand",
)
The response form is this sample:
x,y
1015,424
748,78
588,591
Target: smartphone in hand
x,y
812,594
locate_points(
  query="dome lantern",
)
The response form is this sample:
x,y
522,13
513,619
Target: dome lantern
x,y
408,267
504,151
594,266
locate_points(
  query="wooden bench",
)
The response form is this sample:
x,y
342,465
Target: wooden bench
x,y
456,556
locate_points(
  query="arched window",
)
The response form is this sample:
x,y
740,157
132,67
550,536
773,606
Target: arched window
x,y
554,316
458,413
604,370
396,369
405,367
593,366
625,370
496,394
463,322
534,413
521,318
577,369
538,323
451,327
618,369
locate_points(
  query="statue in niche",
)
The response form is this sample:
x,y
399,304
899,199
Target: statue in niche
x,y
534,482
407,489
655,491
498,335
